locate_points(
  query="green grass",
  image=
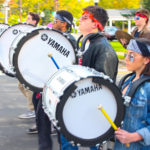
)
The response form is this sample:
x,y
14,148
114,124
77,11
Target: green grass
x,y
120,50
120,56
117,46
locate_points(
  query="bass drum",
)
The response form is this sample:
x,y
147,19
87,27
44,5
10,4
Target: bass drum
x,y
30,58
71,98
3,27
6,39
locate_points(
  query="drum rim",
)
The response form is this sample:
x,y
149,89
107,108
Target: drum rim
x,y
17,50
109,133
5,24
10,26
2,68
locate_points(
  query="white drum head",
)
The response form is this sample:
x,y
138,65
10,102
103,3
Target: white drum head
x,y
6,40
81,113
32,64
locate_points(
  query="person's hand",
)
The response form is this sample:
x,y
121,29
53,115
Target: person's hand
x,y
123,136
126,138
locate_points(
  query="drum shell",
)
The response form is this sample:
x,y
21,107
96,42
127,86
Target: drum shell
x,y
6,39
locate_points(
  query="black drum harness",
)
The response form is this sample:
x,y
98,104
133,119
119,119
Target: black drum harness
x,y
135,86
80,50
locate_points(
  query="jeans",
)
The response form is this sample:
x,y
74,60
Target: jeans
x,y
43,126
65,145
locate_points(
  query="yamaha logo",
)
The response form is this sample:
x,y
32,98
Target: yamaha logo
x,y
44,37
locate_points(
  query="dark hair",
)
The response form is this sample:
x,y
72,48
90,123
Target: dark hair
x,y
68,15
35,17
146,70
98,13
144,12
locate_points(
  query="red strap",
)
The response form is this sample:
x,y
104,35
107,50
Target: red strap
x,y
38,95
80,61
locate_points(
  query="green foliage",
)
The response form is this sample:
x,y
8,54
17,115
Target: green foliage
x,y
119,49
119,4
46,19
120,56
117,46
146,4
49,6
132,14
13,20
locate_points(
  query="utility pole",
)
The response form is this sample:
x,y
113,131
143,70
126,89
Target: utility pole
x,y
20,11
6,8
56,5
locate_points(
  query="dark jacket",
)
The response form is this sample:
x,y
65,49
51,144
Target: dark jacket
x,y
145,33
101,56
72,39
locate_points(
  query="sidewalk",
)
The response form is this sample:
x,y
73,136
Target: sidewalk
x,y
13,134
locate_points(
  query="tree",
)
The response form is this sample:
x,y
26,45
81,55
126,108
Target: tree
x,y
146,4
2,1
119,4
50,6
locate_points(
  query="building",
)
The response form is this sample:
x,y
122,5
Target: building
x,y
121,15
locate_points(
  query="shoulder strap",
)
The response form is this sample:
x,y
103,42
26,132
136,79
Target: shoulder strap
x,y
136,84
88,37
78,41
123,80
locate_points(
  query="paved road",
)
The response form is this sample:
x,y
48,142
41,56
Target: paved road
x,y
13,134
13,130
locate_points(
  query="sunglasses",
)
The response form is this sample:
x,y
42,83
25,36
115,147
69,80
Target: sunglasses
x,y
137,17
131,57
84,17
55,21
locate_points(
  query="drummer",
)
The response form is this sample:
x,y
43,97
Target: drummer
x,y
136,127
98,52
32,19
141,21
63,22
141,30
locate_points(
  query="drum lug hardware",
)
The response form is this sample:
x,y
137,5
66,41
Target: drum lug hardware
x,y
56,121
127,100
72,142
59,128
121,123
27,88
104,142
97,145
78,144
13,50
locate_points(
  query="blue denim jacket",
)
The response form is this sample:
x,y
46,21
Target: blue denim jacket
x,y
137,116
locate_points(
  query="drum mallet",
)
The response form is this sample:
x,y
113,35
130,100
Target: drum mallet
x,y
50,55
100,107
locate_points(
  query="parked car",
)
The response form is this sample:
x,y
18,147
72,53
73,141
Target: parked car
x,y
109,32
